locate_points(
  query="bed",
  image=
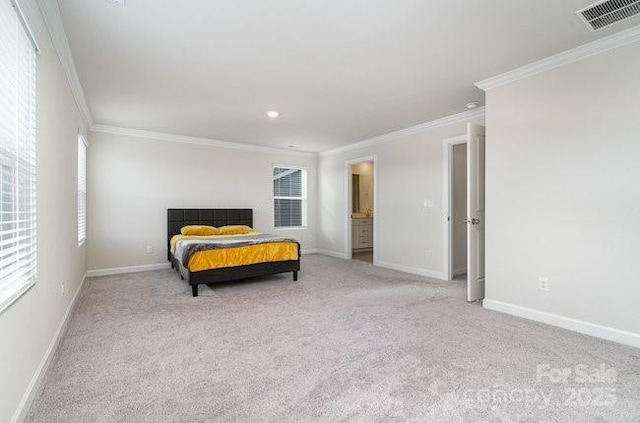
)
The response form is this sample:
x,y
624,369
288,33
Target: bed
x,y
178,218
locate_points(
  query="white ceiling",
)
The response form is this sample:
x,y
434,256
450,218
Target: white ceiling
x,y
338,71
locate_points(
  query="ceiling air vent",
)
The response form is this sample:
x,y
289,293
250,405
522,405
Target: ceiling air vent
x,y
604,13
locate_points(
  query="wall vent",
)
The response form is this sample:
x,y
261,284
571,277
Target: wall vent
x,y
604,13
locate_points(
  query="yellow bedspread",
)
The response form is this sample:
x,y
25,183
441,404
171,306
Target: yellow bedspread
x,y
237,256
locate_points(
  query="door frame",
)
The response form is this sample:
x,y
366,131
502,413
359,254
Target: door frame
x,y
447,202
348,242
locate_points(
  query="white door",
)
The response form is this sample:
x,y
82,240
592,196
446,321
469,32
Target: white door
x,y
475,211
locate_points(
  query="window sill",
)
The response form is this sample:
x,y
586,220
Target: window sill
x,y
12,298
289,228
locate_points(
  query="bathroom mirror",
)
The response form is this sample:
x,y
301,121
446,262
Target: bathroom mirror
x,y
362,194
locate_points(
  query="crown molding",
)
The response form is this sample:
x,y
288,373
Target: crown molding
x,y
185,139
584,51
163,136
50,11
423,127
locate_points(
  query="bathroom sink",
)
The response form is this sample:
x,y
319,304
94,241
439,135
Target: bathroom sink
x,y
361,215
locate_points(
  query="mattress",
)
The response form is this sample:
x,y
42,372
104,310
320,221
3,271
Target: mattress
x,y
223,253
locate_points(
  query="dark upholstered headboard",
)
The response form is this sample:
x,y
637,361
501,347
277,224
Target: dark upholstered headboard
x,y
177,218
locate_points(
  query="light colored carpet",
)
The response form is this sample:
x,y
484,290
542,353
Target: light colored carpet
x,y
347,342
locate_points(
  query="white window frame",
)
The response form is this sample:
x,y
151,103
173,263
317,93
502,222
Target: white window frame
x,y
18,224
82,189
302,198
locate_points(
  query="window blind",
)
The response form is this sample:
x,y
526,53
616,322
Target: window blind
x,y
290,197
17,157
82,190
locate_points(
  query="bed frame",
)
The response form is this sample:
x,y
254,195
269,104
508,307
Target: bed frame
x,y
177,218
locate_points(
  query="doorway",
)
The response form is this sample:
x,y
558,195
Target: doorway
x,y
361,201
469,150
455,201
459,211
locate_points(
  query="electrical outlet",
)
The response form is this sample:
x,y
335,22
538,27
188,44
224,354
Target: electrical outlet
x,y
149,249
543,283
62,288
429,254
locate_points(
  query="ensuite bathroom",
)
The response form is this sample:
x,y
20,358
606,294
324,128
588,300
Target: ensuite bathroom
x,y
362,211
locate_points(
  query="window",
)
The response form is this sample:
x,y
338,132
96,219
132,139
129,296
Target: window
x,y
289,197
17,156
82,190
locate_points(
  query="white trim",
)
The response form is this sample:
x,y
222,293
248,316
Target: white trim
x,y
332,254
587,328
348,242
53,21
128,269
427,126
163,136
25,23
584,51
290,228
413,270
447,202
83,138
308,251
36,381
5,303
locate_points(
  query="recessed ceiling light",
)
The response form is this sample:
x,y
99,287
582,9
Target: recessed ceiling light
x,y
118,2
273,114
473,105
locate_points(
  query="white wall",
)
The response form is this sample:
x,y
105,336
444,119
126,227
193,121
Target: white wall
x,y
459,212
132,182
563,190
28,326
409,171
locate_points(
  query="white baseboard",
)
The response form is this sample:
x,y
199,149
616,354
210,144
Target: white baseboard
x,y
410,269
604,332
36,381
460,271
332,254
128,269
309,251
392,266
